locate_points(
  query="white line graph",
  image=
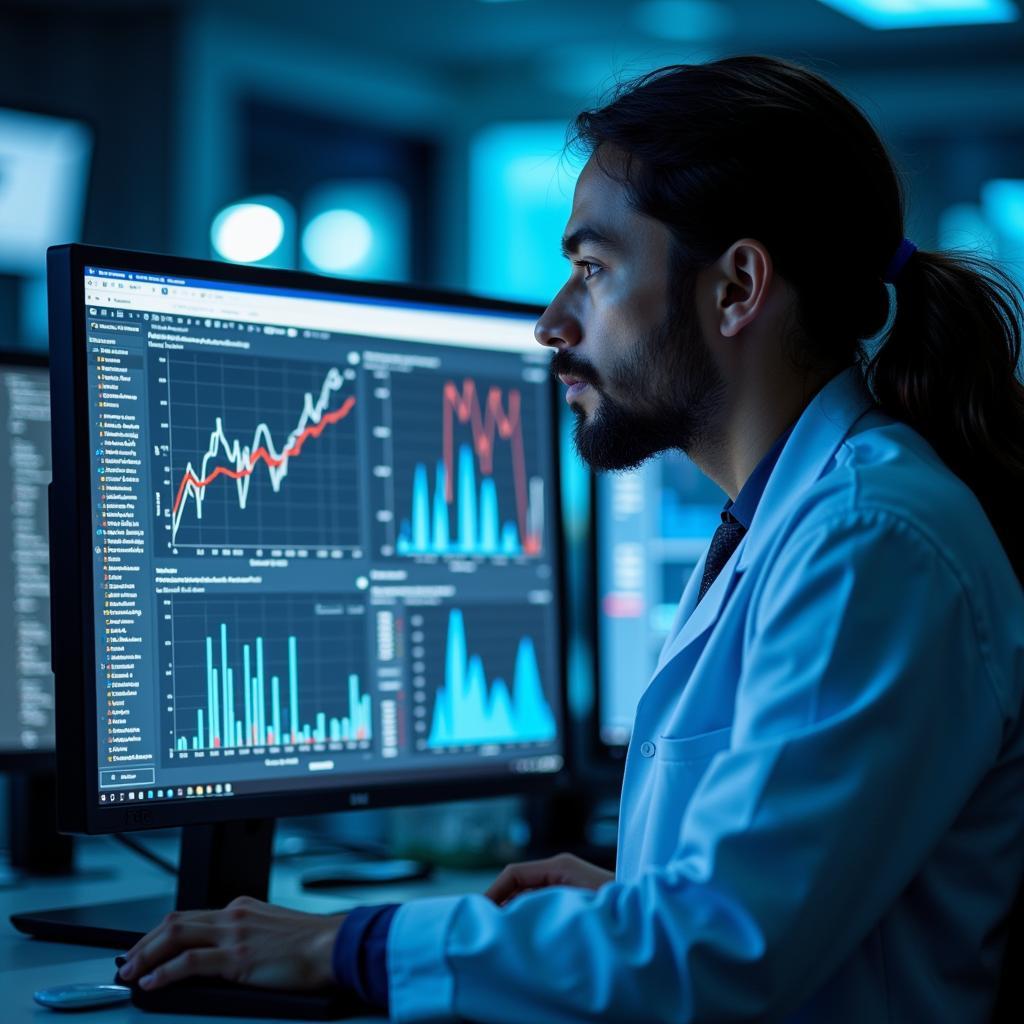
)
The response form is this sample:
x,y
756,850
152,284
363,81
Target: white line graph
x,y
237,461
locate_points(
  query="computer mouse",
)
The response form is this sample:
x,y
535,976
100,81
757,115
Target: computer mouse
x,y
81,997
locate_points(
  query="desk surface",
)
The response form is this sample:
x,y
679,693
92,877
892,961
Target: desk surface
x,y
108,872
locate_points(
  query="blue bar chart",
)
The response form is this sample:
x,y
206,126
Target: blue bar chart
x,y
478,528
267,672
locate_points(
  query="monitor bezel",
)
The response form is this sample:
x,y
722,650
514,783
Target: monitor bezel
x,y
610,755
41,759
79,810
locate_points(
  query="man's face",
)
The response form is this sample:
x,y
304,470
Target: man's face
x,y
629,348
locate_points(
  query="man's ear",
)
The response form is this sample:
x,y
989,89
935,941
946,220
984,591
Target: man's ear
x,y
744,277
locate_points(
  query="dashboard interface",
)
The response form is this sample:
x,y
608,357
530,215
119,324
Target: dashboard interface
x,y
324,540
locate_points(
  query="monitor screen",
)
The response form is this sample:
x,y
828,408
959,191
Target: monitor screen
x,y
324,538
653,526
26,681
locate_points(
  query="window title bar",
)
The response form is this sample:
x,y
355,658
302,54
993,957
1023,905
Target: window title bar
x,y
365,317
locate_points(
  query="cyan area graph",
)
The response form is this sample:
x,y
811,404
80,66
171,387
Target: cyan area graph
x,y
466,475
267,670
263,452
488,680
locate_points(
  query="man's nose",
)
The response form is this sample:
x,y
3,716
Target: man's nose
x,y
557,327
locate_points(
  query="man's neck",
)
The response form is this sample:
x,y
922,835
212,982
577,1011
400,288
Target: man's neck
x,y
752,418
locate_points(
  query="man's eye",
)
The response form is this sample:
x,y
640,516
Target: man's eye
x,y
589,269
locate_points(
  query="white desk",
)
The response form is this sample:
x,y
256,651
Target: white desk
x,y
109,872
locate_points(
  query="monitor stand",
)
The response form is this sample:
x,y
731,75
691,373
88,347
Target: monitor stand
x,y
218,863
36,848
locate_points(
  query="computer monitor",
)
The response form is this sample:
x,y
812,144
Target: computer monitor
x,y
26,679
652,526
33,845
308,533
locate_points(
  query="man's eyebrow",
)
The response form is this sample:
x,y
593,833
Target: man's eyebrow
x,y
571,243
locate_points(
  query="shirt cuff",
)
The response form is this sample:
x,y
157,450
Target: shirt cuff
x,y
360,953
420,980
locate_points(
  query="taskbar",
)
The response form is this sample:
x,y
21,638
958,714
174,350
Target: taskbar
x,y
527,764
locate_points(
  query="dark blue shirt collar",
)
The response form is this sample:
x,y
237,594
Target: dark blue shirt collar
x,y
745,505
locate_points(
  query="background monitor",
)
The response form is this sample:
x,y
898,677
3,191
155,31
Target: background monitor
x,y
44,163
652,526
26,679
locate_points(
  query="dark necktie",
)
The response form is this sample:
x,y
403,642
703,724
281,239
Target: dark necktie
x,y
723,544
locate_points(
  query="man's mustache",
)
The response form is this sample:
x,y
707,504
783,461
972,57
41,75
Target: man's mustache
x,y
566,363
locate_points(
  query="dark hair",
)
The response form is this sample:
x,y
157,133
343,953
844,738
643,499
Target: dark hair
x,y
759,147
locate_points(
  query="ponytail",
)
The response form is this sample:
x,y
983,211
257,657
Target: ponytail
x,y
949,367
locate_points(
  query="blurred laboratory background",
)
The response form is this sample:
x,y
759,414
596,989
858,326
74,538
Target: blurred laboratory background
x,y
415,141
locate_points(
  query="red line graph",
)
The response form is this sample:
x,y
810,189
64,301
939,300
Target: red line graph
x,y
486,426
261,454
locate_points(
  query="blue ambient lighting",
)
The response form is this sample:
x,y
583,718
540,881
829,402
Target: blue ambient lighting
x,y
683,20
521,189
886,14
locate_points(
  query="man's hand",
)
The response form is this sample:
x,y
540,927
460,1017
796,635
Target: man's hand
x,y
248,941
562,869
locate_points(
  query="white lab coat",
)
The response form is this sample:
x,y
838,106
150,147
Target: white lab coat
x,y
822,817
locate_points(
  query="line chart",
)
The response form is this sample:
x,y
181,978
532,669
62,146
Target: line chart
x,y
278,466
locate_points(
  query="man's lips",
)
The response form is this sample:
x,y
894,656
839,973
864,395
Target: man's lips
x,y
574,384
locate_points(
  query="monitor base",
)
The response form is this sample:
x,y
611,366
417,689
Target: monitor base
x,y
218,863
108,925
384,871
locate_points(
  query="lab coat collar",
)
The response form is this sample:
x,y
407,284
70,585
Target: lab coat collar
x,y
817,436
821,429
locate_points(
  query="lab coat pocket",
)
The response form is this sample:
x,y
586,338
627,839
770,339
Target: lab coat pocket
x,y
680,765
699,748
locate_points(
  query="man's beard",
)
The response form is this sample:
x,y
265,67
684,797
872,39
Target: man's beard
x,y
673,389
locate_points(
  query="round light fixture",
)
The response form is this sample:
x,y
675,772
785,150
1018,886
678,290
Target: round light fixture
x,y
337,240
247,232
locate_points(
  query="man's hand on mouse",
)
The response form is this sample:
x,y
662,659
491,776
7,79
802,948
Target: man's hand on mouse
x,y
249,941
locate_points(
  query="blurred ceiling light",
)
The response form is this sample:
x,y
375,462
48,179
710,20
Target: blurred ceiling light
x,y
684,20
337,240
358,228
885,14
249,232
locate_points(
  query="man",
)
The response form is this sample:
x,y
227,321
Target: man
x,y
821,813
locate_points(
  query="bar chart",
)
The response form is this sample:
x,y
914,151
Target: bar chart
x,y
269,671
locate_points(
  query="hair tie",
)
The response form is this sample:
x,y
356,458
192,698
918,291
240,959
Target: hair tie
x,y
899,259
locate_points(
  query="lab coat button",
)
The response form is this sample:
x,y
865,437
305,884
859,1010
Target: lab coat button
x,y
647,748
